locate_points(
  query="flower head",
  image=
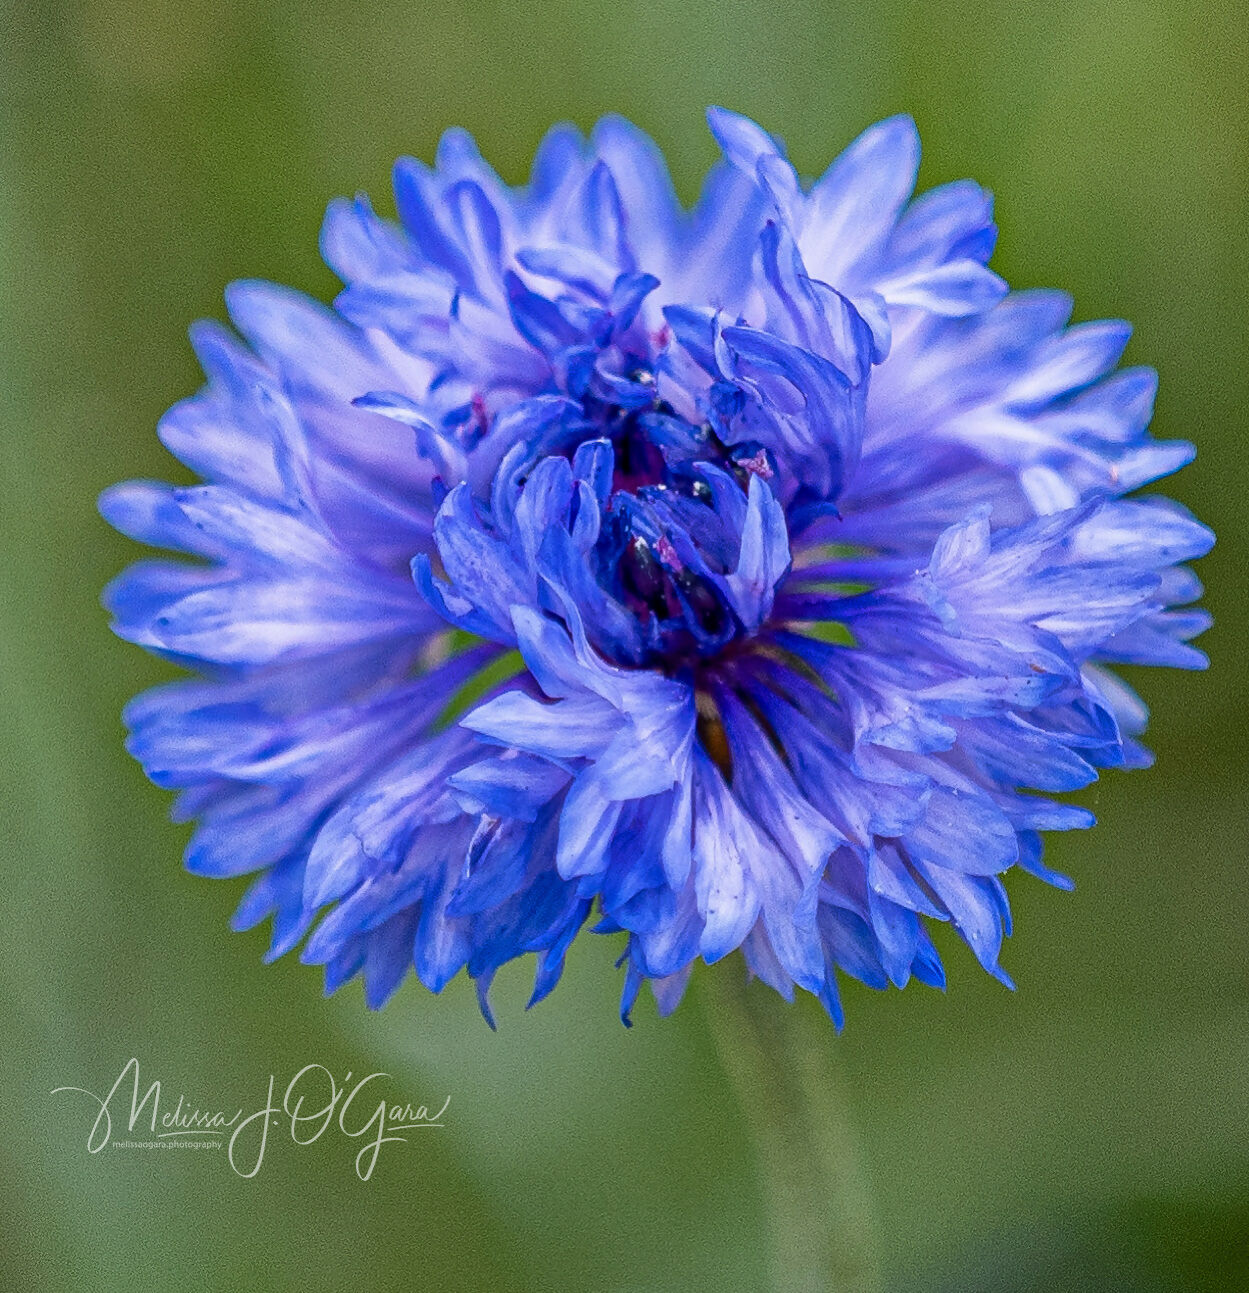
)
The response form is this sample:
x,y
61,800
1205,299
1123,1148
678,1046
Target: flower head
x,y
730,577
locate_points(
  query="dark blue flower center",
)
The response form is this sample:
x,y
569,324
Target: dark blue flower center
x,y
669,535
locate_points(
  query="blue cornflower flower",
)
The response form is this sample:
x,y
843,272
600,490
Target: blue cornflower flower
x,y
732,576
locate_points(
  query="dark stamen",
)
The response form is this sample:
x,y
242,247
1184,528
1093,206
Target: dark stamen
x,y
643,576
703,601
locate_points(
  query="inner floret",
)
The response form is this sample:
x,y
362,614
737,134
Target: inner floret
x,y
669,533
649,479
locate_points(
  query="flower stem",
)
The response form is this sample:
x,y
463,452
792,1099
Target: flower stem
x,y
780,1060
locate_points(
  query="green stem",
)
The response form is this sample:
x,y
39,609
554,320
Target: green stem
x,y
780,1060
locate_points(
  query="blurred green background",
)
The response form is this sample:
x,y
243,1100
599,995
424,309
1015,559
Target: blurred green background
x,y
1088,1132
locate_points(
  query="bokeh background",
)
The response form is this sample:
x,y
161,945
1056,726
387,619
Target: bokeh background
x,y
1088,1132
